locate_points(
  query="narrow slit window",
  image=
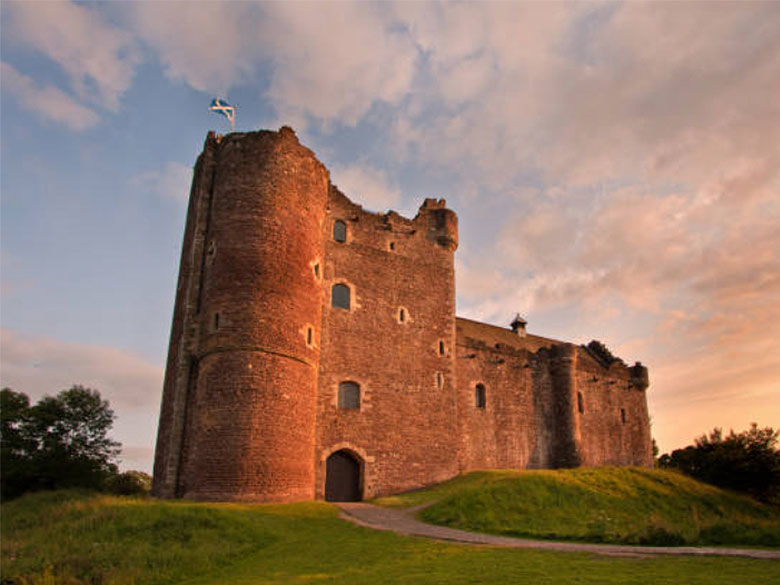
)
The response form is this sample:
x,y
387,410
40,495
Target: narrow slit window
x,y
339,231
441,348
339,296
439,380
349,396
216,321
480,396
309,335
317,270
580,403
391,246
623,415
401,315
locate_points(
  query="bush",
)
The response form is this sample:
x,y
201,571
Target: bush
x,y
129,483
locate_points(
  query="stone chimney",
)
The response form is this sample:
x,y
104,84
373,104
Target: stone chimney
x,y
518,325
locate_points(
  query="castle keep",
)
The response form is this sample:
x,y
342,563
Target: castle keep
x,y
315,351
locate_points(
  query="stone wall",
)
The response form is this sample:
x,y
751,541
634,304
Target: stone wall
x,y
397,341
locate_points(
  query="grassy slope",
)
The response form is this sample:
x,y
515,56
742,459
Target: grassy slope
x,y
621,505
75,539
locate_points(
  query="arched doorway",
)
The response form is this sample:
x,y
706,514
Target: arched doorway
x,y
342,477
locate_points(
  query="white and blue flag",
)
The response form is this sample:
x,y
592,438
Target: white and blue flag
x,y
220,106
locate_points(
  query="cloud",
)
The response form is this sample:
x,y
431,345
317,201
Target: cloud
x,y
98,58
49,103
370,186
334,61
40,365
211,46
172,181
133,386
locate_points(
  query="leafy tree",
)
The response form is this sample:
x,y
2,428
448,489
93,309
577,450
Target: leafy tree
x,y
747,462
15,445
59,442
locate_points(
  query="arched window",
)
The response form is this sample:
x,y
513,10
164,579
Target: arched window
x,y
339,231
480,398
349,395
339,296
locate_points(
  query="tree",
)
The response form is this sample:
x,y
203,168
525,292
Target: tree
x,y
747,462
59,442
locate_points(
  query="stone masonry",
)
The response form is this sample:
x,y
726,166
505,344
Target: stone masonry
x,y
314,343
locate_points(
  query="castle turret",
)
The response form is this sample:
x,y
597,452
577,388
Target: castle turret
x,y
244,421
566,450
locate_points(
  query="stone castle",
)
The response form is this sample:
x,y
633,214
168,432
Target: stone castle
x,y
315,351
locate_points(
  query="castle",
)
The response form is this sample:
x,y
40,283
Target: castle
x,y
315,351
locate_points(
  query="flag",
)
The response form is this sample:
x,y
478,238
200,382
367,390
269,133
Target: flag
x,y
220,106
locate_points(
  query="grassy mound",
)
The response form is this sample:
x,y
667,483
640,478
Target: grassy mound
x,y
76,537
615,505
68,538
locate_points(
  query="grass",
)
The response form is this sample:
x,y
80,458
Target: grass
x,y
73,538
615,505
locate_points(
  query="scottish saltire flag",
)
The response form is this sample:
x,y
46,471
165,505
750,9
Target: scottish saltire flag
x,y
220,106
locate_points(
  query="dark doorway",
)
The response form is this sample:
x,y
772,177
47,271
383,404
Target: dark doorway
x,y
342,478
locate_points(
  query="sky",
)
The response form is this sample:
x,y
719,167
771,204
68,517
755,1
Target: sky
x,y
615,168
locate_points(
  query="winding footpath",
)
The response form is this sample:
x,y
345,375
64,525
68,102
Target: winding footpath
x,y
404,522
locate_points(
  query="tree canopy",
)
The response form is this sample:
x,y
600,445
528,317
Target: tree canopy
x,y
748,461
59,442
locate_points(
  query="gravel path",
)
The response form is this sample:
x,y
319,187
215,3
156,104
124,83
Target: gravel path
x,y
404,522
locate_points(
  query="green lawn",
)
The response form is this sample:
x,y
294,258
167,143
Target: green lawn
x,y
72,538
616,505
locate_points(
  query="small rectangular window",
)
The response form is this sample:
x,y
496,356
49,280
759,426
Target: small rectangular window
x,y
339,231
339,296
480,396
349,396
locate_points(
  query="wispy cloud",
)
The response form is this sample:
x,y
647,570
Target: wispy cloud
x,y
171,181
41,366
49,103
369,186
98,58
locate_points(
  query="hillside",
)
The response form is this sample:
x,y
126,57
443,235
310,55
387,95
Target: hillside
x,y
615,505
71,538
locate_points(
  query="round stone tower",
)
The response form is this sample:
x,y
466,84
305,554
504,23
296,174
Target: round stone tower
x,y
241,409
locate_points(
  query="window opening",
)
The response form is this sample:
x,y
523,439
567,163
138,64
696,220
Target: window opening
x,y
480,398
339,296
580,403
391,245
216,321
339,231
623,415
309,335
317,270
349,395
439,380
402,315
441,348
